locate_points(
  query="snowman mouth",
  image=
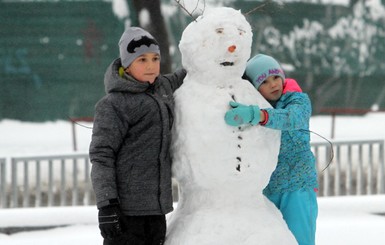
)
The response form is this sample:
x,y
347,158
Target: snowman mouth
x,y
227,63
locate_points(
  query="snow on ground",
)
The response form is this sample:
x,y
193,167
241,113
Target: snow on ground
x,y
353,220
342,220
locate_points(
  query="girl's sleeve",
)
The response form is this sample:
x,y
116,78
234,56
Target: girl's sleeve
x,y
107,137
293,116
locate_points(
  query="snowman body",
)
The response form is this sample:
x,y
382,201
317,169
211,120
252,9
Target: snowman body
x,y
221,170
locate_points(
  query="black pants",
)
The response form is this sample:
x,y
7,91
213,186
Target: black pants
x,y
141,230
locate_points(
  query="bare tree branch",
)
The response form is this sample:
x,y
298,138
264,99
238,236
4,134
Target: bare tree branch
x,y
190,13
256,8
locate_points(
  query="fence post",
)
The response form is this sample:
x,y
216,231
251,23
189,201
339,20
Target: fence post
x,y
14,183
50,183
25,185
75,182
337,177
326,174
87,182
38,201
381,175
74,143
3,182
349,172
370,171
63,195
359,171
333,129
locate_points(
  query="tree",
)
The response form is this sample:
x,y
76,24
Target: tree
x,y
340,64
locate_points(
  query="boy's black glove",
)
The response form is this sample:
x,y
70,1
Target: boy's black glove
x,y
110,221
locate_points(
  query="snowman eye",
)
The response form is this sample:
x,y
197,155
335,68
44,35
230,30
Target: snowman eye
x,y
241,32
219,30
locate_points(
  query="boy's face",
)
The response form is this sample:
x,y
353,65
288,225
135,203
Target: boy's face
x,y
145,68
271,89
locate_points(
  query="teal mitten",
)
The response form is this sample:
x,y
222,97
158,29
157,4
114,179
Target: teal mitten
x,y
242,114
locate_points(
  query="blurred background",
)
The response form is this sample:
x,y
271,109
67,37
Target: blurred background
x,y
53,53
53,56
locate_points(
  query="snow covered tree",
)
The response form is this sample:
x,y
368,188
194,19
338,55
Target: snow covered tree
x,y
335,63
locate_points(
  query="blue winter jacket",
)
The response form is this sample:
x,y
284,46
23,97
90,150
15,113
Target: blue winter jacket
x,y
296,163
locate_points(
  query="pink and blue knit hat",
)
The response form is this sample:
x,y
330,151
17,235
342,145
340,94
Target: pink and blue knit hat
x,y
260,67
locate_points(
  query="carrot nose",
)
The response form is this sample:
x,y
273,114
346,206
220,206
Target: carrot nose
x,y
231,48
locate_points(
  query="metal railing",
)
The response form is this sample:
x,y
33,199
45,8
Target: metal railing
x,y
357,168
48,181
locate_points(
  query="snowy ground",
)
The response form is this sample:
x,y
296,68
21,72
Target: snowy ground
x,y
342,220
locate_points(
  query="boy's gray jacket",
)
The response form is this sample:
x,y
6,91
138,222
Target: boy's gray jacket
x,y
131,136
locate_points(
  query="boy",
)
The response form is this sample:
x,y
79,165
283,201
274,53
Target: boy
x,y
293,184
129,151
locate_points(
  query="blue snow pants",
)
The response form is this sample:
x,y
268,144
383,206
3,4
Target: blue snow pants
x,y
300,211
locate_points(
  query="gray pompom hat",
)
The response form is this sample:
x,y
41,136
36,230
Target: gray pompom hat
x,y
134,42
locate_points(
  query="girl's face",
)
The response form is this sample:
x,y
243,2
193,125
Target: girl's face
x,y
145,68
271,89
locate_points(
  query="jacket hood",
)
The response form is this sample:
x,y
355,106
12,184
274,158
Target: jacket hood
x,y
113,82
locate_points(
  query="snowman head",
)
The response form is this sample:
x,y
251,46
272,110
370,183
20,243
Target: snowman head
x,y
217,44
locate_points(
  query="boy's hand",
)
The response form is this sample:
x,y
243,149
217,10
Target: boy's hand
x,y
242,114
110,221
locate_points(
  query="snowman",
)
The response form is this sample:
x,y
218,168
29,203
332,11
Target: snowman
x,y
221,170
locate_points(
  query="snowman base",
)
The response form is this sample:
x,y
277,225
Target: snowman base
x,y
230,224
